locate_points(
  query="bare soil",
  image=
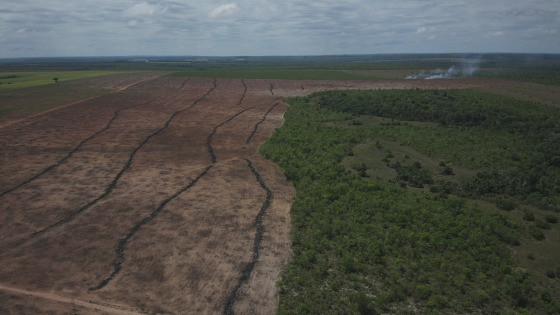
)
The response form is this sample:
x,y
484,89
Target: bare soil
x,y
153,199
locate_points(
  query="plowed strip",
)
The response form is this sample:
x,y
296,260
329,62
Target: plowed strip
x,y
112,185
211,135
259,122
230,302
121,245
71,152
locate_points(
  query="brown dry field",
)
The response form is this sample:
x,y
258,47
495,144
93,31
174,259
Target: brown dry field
x,y
152,199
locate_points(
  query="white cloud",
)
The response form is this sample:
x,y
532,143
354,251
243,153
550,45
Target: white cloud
x,y
424,29
144,9
176,27
225,10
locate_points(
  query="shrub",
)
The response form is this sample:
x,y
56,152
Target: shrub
x,y
528,216
413,175
505,204
536,233
356,122
361,168
551,219
447,171
545,296
542,225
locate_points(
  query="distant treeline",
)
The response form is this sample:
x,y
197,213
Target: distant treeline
x,y
333,62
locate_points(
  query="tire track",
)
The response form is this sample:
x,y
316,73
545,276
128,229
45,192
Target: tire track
x,y
260,121
78,146
121,245
230,302
112,185
90,305
211,135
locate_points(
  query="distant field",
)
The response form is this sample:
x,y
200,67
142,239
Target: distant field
x,y
275,74
548,77
16,79
383,74
18,103
36,99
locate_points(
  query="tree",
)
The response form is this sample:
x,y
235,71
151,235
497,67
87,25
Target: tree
x,y
55,80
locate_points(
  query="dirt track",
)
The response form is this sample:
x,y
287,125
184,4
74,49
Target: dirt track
x,y
153,198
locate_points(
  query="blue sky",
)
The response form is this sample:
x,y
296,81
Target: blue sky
x,y
32,28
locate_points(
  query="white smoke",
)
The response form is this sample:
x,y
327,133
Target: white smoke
x,y
467,68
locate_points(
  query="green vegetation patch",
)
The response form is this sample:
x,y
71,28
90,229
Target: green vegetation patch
x,y
541,76
23,79
362,245
20,103
513,145
275,74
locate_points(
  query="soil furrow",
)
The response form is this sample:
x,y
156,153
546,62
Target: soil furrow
x,y
74,150
79,145
112,185
183,85
259,122
211,135
121,245
230,302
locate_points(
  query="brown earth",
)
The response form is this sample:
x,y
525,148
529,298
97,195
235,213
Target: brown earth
x,y
152,199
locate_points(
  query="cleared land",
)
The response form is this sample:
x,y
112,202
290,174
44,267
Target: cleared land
x,y
152,198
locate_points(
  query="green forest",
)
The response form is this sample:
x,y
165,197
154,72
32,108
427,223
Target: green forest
x,y
420,201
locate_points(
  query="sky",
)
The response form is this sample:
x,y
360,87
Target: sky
x,y
50,28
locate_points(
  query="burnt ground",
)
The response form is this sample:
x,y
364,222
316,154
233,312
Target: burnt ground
x,y
152,199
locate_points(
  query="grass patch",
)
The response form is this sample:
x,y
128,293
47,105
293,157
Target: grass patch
x,y
541,76
23,79
20,103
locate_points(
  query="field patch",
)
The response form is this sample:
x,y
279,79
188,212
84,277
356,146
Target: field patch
x,y
23,79
276,74
19,103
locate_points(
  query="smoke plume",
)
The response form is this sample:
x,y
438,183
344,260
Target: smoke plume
x,y
467,68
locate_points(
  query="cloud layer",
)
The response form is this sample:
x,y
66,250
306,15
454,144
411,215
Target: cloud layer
x,y
258,27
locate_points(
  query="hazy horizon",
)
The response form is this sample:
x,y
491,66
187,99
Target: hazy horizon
x,y
55,28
